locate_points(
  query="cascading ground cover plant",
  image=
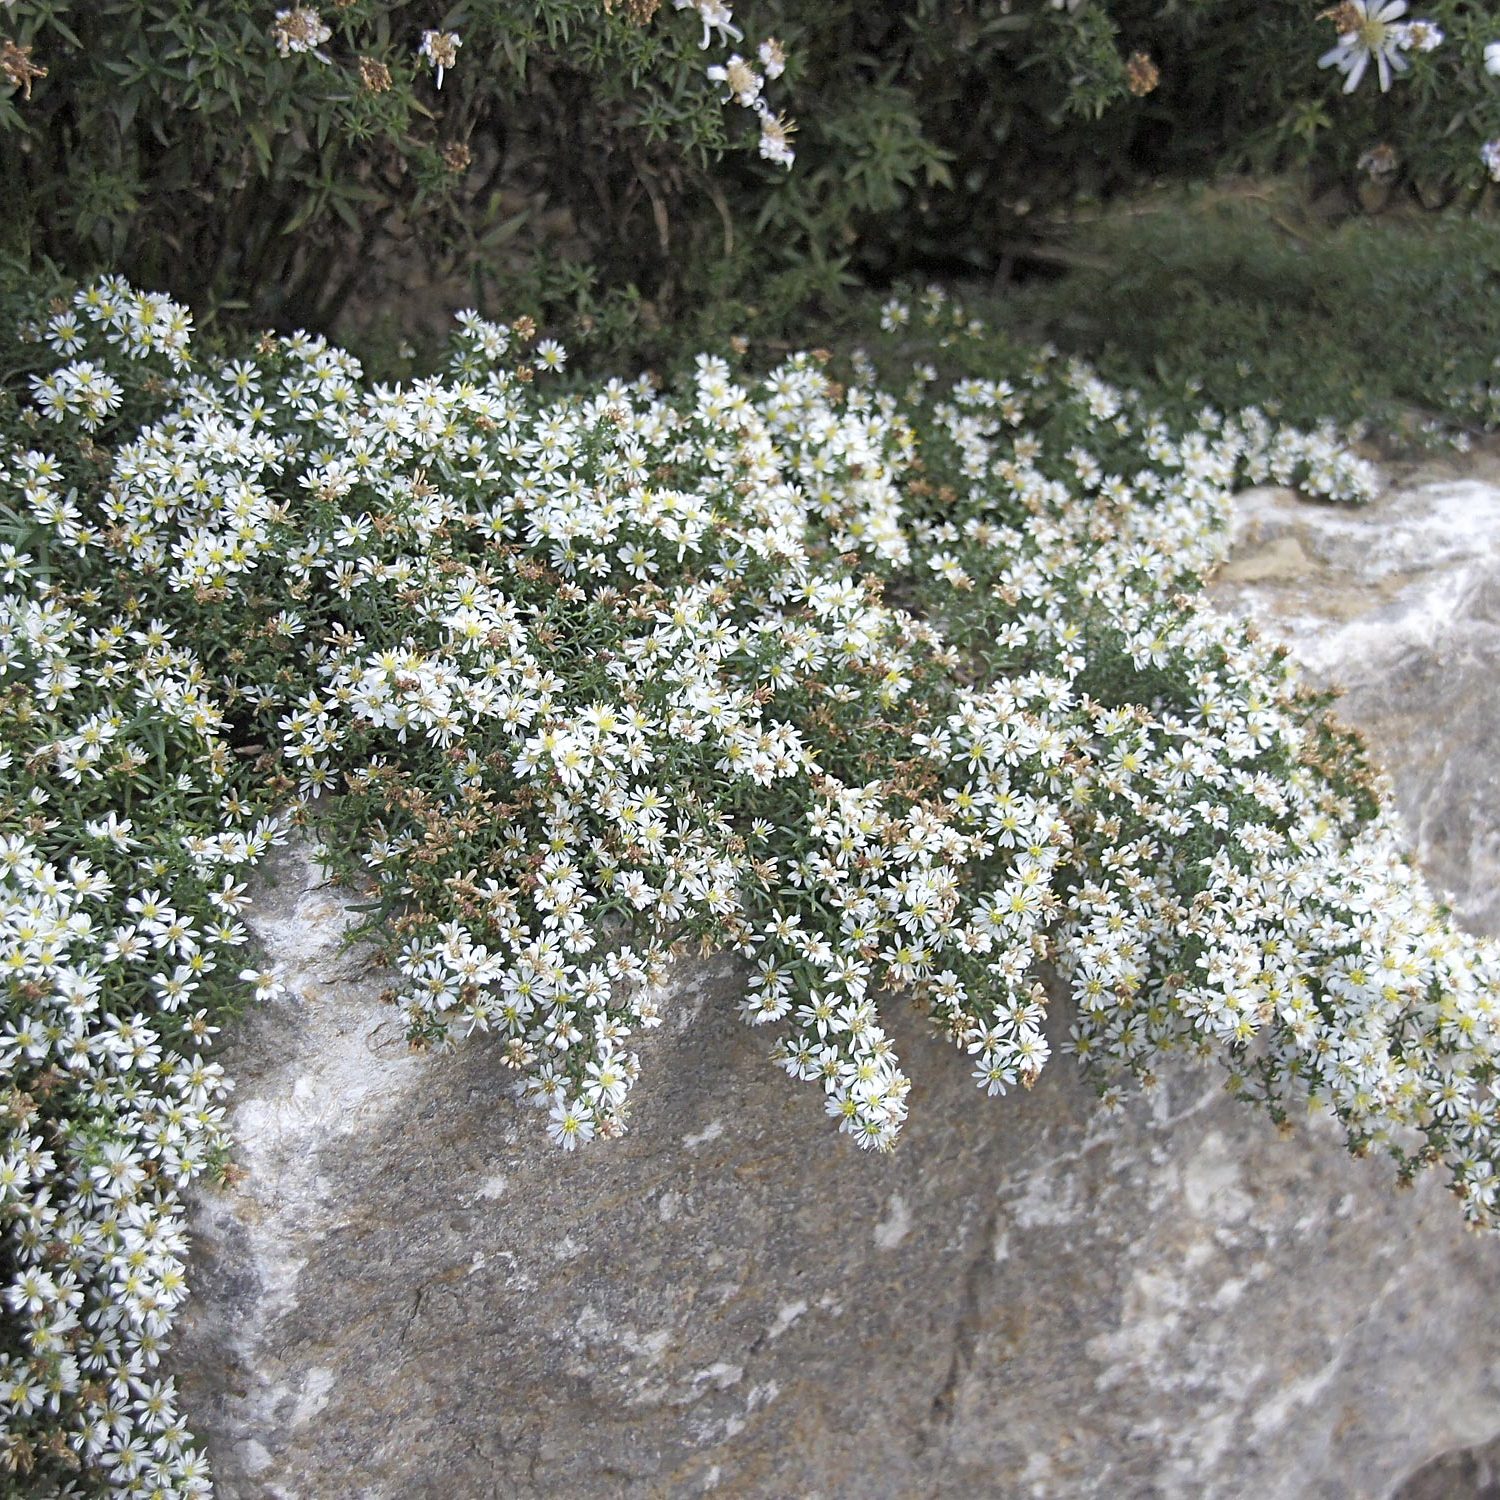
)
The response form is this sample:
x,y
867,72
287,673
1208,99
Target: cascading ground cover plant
x,y
893,685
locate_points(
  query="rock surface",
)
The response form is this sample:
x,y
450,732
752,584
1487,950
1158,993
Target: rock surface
x,y
410,1294
1399,604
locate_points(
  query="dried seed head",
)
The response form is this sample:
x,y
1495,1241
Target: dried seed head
x,y
298,30
1346,17
1141,74
374,76
16,64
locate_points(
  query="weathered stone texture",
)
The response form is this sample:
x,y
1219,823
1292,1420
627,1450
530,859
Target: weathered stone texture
x,y
410,1294
1400,605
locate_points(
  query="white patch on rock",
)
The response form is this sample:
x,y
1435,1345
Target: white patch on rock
x,y
252,1456
647,1346
896,1225
314,1395
1046,1199
720,1375
1211,1181
1152,1314
591,1323
710,1132
1271,1416
761,1395
1229,1292
334,1071
786,1315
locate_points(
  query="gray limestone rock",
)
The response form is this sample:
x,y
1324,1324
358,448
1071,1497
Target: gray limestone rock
x,y
410,1294
1399,604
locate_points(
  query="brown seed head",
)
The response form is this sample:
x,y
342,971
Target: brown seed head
x,y
374,76
1141,74
1345,17
16,64
637,12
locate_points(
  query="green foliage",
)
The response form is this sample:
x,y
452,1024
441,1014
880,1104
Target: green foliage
x,y
1237,299
578,160
175,140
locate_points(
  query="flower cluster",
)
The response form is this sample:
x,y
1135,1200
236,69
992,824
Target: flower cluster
x,y
125,822
440,48
742,83
302,29
1372,31
1235,881
884,692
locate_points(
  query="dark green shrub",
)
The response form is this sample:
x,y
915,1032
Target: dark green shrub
x,y
577,156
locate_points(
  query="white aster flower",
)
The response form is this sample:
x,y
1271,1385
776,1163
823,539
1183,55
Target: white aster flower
x,y
743,82
440,48
716,16
569,1125
300,29
1368,29
1423,36
776,132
